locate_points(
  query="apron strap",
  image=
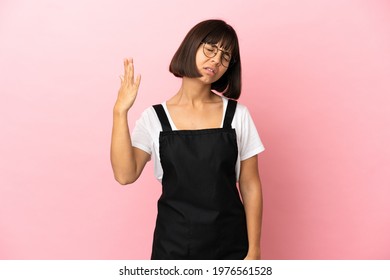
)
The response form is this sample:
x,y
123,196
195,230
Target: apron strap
x,y
230,110
162,116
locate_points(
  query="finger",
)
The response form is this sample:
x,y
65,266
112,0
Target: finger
x,y
123,77
137,81
125,62
126,68
131,71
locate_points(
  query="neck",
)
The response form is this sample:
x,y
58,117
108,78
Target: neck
x,y
192,91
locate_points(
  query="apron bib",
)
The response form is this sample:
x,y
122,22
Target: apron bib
x,y
200,213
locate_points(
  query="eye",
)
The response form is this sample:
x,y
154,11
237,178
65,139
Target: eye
x,y
227,56
210,48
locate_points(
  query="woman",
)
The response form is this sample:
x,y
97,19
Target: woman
x,y
202,143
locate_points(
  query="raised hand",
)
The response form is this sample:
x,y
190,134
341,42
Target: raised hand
x,y
129,87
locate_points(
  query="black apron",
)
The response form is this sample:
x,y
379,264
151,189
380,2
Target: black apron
x,y
200,213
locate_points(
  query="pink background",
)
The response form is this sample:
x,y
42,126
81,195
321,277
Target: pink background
x,y
316,80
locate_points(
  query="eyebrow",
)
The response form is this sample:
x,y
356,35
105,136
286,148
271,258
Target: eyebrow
x,y
224,50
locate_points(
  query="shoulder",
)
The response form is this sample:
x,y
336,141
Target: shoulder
x,y
148,120
240,109
242,120
148,112
149,115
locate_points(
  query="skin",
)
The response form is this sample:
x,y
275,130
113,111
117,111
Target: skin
x,y
194,106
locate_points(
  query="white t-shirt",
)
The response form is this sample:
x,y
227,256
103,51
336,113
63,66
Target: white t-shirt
x,y
147,129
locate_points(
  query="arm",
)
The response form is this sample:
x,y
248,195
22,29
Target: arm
x,y
250,188
127,162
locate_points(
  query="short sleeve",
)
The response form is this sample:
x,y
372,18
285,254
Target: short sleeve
x,y
248,138
140,136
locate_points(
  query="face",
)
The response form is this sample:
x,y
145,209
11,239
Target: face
x,y
212,62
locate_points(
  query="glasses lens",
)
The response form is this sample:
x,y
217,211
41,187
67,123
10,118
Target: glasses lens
x,y
225,60
209,50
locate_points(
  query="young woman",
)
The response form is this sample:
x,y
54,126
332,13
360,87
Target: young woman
x,y
203,142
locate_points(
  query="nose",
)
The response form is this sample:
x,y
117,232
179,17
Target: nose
x,y
218,57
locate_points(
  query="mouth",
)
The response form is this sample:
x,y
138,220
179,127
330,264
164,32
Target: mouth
x,y
210,70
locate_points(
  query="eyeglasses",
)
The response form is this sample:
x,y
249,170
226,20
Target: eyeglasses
x,y
211,51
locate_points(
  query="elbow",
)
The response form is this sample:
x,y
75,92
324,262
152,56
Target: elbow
x,y
125,180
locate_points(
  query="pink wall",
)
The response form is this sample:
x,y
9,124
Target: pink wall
x,y
316,79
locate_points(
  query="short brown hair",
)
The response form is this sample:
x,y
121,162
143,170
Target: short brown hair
x,y
213,31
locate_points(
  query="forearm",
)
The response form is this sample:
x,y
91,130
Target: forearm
x,y
122,153
253,204
127,162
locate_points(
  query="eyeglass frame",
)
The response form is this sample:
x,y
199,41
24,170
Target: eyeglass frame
x,y
230,62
